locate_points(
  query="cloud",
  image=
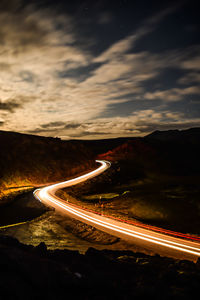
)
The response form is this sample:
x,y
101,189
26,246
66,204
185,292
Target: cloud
x,y
9,106
40,131
55,127
192,63
191,77
175,94
52,125
72,126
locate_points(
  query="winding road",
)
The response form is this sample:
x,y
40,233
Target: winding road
x,y
157,240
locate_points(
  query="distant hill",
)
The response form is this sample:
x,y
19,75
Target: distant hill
x,y
167,152
104,145
190,135
129,149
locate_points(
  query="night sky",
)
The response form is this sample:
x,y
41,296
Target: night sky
x,y
99,69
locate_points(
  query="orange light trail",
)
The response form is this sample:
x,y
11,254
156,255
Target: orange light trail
x,y
124,229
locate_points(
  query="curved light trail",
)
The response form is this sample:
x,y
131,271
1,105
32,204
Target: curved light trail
x,y
153,238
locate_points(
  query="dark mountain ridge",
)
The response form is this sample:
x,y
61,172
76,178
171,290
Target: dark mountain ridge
x,y
172,151
190,135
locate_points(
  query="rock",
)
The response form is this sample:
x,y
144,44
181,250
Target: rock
x,y
36,272
41,248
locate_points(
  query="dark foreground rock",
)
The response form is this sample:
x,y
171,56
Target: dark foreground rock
x,y
28,272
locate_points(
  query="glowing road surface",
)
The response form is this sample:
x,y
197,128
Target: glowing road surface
x,y
158,241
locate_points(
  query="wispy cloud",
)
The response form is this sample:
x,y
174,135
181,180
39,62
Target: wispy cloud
x,y
9,106
191,77
174,94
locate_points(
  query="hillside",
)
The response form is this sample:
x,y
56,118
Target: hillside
x,y
171,152
191,135
27,160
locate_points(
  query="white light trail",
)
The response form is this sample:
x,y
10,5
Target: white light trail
x,y
116,227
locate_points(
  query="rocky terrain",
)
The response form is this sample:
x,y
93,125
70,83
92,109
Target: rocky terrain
x,y
28,272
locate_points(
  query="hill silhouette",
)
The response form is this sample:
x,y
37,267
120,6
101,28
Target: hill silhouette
x,y
172,152
191,135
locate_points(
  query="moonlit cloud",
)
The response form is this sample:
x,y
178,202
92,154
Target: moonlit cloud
x,y
192,63
9,106
189,78
174,94
52,83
